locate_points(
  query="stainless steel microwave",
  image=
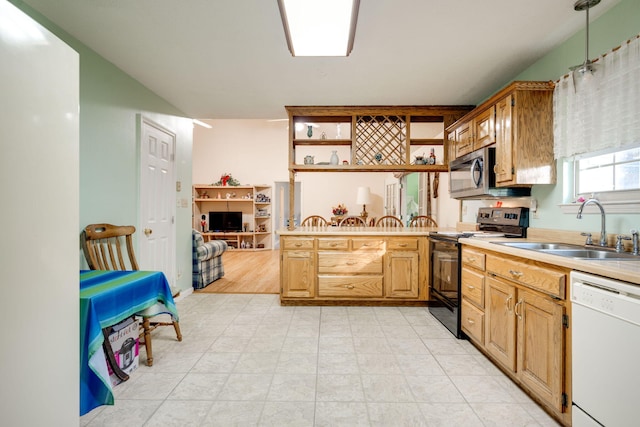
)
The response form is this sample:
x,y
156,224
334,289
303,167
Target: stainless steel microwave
x,y
471,177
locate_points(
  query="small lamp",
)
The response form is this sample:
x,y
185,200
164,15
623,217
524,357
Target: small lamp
x,y
363,198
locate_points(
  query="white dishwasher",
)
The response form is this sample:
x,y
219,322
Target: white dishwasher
x,y
605,351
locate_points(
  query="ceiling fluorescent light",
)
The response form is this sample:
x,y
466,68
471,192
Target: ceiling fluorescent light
x,y
203,124
319,27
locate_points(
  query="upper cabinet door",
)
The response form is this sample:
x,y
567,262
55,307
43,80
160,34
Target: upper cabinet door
x,y
504,167
484,128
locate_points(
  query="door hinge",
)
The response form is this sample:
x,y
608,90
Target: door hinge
x,y
565,400
565,321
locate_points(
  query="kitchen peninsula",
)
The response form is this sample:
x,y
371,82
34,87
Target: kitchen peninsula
x,y
354,265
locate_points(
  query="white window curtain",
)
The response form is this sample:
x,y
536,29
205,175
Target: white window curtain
x,y
603,112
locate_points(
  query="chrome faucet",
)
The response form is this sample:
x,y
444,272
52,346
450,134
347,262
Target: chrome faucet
x,y
603,232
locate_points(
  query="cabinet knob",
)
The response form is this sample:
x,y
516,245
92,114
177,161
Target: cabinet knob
x,y
515,273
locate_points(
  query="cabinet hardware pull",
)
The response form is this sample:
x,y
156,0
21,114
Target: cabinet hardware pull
x,y
349,286
519,303
515,273
298,245
508,302
403,245
470,259
333,245
471,322
471,287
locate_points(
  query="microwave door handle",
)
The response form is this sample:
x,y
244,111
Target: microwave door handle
x,y
476,166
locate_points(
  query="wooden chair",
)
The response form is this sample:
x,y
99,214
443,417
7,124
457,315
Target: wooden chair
x,y
314,221
352,221
423,221
389,221
110,247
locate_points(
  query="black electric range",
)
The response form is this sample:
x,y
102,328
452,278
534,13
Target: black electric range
x,y
445,266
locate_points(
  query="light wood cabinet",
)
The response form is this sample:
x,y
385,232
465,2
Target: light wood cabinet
x,y
297,274
540,346
464,138
500,326
518,120
484,128
472,288
354,268
524,137
402,274
525,318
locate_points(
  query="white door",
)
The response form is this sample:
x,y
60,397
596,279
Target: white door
x,y
392,205
157,199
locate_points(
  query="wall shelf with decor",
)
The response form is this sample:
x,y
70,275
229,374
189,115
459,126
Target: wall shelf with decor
x,y
365,138
255,232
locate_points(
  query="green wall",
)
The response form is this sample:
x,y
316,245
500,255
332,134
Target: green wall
x,y
620,23
111,103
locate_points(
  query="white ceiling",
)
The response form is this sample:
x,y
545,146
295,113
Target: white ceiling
x,y
229,58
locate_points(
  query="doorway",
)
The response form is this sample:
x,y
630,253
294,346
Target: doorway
x,y
282,207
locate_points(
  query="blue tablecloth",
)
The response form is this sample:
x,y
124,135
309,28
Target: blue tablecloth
x,y
106,298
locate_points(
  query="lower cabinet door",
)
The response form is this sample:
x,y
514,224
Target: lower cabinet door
x,y
298,274
401,275
541,346
500,324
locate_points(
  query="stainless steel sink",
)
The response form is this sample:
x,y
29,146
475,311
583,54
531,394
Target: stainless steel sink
x,y
572,251
539,246
593,254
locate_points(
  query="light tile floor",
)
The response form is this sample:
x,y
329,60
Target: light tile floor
x,y
245,360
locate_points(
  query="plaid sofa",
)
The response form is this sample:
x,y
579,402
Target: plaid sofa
x,y
207,260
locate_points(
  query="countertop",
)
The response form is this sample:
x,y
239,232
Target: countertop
x,y
360,231
628,271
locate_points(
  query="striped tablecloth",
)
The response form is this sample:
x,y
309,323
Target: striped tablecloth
x,y
106,298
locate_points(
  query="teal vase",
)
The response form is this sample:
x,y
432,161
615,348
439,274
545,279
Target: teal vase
x,y
309,131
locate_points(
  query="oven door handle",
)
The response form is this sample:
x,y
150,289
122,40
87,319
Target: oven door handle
x,y
476,167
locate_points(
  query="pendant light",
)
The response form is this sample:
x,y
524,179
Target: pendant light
x,y
584,71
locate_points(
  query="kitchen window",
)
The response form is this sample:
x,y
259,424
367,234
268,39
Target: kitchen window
x,y
612,176
607,173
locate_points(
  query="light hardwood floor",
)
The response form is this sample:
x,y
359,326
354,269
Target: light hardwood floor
x,y
248,273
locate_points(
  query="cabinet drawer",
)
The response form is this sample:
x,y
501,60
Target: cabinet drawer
x,y
472,322
339,244
350,286
349,263
472,286
367,244
295,243
408,244
529,273
473,258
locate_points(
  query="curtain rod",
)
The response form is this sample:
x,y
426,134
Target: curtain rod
x,y
605,54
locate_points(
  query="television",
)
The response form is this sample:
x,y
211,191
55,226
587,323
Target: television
x,y
225,221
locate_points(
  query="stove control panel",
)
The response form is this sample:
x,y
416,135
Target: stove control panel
x,y
504,216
